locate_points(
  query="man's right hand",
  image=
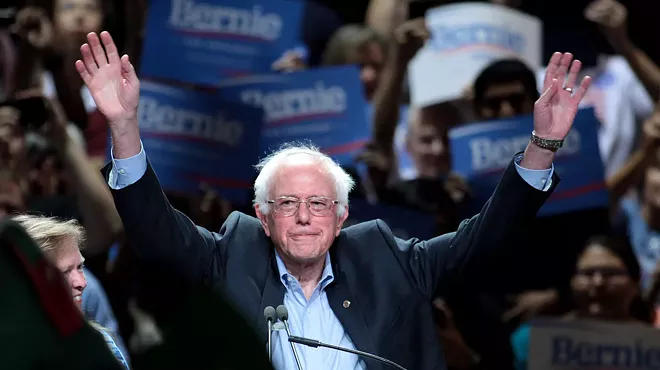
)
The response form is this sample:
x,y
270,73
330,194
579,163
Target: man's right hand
x,y
113,84
111,80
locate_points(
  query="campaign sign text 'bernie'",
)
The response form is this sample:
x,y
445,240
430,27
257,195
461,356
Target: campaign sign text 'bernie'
x,y
558,344
201,42
481,152
324,106
192,138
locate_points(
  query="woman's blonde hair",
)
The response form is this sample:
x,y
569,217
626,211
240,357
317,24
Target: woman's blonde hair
x,y
49,232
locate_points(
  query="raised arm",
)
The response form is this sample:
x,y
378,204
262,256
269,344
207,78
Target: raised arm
x,y
158,233
612,17
474,252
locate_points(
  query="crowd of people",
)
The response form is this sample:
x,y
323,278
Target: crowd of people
x,y
128,249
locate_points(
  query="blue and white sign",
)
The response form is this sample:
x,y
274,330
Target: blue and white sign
x,y
404,223
202,42
481,151
324,106
558,344
193,138
465,38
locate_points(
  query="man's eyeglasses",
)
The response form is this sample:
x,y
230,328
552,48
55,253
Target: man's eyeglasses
x,y
288,206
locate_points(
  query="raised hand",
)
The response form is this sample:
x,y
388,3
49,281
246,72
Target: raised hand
x,y
33,26
555,110
111,80
411,36
611,16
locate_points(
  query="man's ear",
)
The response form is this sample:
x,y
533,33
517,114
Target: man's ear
x,y
263,218
341,219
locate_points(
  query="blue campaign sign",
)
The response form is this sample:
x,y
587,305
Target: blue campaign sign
x,y
192,138
201,42
482,151
324,106
404,223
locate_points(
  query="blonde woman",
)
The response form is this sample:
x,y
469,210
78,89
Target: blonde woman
x,y
61,242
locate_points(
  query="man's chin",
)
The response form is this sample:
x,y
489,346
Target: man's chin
x,y
306,257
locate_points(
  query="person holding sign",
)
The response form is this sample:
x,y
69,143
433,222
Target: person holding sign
x,y
605,288
358,287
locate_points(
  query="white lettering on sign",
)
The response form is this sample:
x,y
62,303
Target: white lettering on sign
x,y
451,38
162,118
297,103
492,154
188,15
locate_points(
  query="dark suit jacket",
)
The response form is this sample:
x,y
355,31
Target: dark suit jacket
x,y
389,282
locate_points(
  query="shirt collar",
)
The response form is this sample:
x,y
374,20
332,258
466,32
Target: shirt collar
x,y
327,276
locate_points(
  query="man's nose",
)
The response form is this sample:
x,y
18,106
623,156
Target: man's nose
x,y
438,147
597,279
303,215
506,110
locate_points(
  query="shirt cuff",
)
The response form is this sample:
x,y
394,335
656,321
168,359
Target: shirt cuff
x,y
539,179
128,171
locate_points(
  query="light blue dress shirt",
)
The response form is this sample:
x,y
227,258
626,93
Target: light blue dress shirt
x,y
311,318
96,307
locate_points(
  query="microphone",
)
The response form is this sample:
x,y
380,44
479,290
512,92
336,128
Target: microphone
x,y
316,344
283,315
269,314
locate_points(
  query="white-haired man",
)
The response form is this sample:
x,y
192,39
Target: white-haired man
x,y
359,287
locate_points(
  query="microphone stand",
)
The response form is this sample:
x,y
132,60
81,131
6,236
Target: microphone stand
x,y
316,344
271,315
293,348
283,315
270,344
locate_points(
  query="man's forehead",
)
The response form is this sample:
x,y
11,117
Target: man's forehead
x,y
428,125
301,177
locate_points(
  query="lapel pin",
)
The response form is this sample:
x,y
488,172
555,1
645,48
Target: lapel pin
x,y
347,304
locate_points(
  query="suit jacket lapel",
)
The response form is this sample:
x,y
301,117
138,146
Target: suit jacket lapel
x,y
345,303
273,296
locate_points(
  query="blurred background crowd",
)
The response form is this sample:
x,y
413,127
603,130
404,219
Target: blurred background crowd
x,y
598,262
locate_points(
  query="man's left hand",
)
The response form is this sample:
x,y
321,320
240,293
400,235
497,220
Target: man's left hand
x,y
554,111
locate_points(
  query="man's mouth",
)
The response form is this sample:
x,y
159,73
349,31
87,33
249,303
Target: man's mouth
x,y
77,298
303,236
